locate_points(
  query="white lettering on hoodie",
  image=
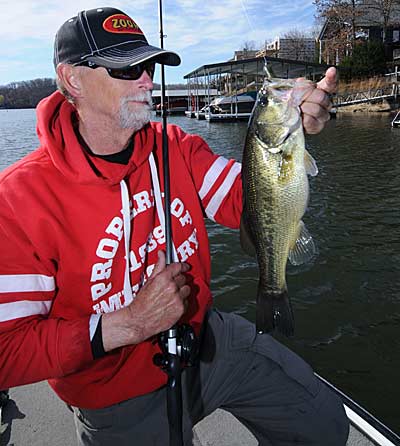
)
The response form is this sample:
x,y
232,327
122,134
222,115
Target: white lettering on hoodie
x,y
108,247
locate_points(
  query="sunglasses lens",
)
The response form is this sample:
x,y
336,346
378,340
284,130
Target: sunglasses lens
x,y
132,73
150,68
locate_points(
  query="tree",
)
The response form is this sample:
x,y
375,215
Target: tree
x,y
296,44
368,59
248,45
341,16
26,94
1,100
382,12
341,13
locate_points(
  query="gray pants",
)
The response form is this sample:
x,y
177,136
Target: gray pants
x,y
261,382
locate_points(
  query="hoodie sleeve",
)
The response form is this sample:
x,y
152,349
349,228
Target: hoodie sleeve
x,y
217,179
33,346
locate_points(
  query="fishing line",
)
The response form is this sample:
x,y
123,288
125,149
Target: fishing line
x,y
254,29
247,15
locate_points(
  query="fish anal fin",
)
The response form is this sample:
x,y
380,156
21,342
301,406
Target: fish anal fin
x,y
274,312
310,164
245,239
303,249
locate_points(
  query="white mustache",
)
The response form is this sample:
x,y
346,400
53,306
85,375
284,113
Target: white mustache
x,y
135,110
145,96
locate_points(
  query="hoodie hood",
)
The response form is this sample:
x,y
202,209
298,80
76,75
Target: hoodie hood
x,y
56,132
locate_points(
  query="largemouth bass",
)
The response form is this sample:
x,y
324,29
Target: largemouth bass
x,y
275,196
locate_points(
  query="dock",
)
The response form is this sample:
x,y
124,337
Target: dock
x,y
235,78
227,117
226,109
396,120
218,117
372,95
180,101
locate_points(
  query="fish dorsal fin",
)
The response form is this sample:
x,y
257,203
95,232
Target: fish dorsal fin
x,y
310,164
245,239
303,249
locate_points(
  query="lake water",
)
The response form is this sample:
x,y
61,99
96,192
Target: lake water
x,y
347,302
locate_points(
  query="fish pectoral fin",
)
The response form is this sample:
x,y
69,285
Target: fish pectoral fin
x,y
310,164
245,240
303,249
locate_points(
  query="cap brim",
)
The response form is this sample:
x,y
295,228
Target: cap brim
x,y
118,58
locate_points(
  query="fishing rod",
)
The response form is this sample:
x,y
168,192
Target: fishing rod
x,y
178,344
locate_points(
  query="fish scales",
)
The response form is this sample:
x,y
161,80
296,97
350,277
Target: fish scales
x,y
275,192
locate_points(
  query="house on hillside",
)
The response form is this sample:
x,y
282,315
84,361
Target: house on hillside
x,y
290,48
334,39
244,54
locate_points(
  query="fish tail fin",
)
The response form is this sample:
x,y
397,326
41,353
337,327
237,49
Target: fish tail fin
x,y
274,311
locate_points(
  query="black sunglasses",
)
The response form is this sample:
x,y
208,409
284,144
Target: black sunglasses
x,y
132,73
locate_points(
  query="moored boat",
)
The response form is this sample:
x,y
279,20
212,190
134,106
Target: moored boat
x,y
230,108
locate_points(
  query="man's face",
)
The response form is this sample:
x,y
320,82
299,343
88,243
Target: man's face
x,y
124,103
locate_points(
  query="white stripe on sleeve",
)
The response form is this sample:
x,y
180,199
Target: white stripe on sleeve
x,y
23,308
93,323
212,175
19,283
222,191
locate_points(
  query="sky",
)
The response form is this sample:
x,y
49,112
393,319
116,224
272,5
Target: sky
x,y
200,31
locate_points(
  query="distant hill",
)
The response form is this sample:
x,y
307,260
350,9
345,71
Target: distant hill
x,y
27,94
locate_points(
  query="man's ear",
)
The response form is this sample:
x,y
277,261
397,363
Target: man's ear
x,y
70,78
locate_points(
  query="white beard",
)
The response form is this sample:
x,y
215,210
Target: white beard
x,y
133,115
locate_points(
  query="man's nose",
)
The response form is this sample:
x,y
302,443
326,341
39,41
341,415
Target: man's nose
x,y
146,81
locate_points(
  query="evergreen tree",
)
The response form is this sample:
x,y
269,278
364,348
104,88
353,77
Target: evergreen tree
x,y
368,59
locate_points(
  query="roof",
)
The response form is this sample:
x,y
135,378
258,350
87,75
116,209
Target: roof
x,y
368,15
180,93
280,67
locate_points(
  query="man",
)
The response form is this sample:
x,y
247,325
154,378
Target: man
x,y
84,284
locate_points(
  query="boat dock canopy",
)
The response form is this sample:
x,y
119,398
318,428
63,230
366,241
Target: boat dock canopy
x,y
278,67
235,78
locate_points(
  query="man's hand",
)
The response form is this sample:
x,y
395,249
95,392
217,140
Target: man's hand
x,y
317,104
157,306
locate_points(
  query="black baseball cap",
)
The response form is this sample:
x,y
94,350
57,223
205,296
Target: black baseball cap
x,y
107,37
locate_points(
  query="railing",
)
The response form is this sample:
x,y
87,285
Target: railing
x,y
366,96
396,122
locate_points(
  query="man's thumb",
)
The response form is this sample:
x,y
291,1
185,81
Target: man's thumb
x,y
160,265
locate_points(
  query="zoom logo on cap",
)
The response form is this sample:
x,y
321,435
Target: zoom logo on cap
x,y
121,24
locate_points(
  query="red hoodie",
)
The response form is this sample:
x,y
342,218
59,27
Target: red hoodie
x,y
67,221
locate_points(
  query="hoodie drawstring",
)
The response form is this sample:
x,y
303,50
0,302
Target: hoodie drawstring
x,y
126,216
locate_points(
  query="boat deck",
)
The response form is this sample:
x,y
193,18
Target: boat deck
x,y
223,429
36,417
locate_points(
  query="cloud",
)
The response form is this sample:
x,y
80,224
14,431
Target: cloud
x,y
228,23
201,31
